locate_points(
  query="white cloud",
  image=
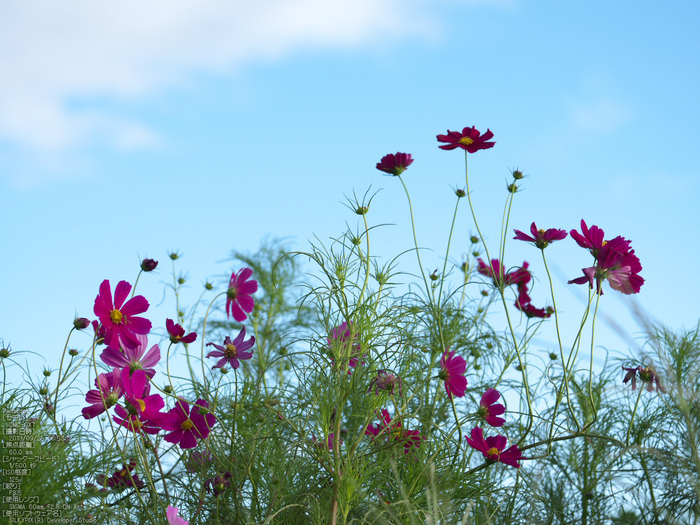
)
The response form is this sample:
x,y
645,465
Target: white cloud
x,y
54,53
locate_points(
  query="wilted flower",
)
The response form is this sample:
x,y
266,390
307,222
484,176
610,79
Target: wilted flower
x,y
118,317
541,238
489,411
493,448
218,484
469,139
177,333
385,380
232,351
238,295
647,375
395,164
187,425
452,372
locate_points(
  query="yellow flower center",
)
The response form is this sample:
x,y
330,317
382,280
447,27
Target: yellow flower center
x,y
187,425
116,316
230,351
541,232
493,451
142,404
466,141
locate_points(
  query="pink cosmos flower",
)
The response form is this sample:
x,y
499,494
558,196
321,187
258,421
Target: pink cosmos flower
x,y
493,448
185,425
395,164
647,375
142,409
122,478
452,372
469,139
238,295
232,351
100,332
177,333
119,317
109,388
341,334
173,519
541,238
395,432
592,239
524,304
520,277
489,411
615,264
134,359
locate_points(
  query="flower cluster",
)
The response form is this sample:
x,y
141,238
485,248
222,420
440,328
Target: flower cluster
x,y
615,262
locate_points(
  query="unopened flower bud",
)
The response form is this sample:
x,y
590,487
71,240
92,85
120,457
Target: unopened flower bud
x,y
517,174
553,356
174,256
475,352
512,188
4,352
474,239
476,366
434,276
43,391
519,368
283,351
168,389
80,323
460,193
208,286
50,409
73,352
362,210
47,373
181,280
148,265
485,293
355,240
223,370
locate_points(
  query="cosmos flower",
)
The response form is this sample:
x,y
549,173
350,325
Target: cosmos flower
x,y
232,351
452,372
340,338
520,277
648,377
177,333
171,513
119,317
135,358
238,296
489,411
541,238
142,409
616,264
469,139
109,388
385,381
493,448
218,484
591,239
524,304
395,164
148,265
395,432
187,425
122,478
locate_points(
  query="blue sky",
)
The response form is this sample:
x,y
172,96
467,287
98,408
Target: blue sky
x,y
128,130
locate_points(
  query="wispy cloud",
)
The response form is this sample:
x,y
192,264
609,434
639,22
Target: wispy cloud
x,y
54,52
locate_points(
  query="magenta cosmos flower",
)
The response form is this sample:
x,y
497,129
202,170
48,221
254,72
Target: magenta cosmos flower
x,y
452,372
232,351
109,389
524,304
385,380
134,359
490,411
469,140
238,296
122,478
541,238
171,513
340,339
617,265
177,333
493,448
520,277
395,432
119,317
142,409
395,164
187,425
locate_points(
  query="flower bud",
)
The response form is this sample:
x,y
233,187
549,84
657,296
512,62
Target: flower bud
x,y
512,188
174,256
181,280
223,370
4,352
520,368
475,352
434,276
168,389
476,366
362,210
47,373
208,286
148,265
80,323
553,356
43,391
283,351
460,193
474,239
485,293
517,174
73,352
